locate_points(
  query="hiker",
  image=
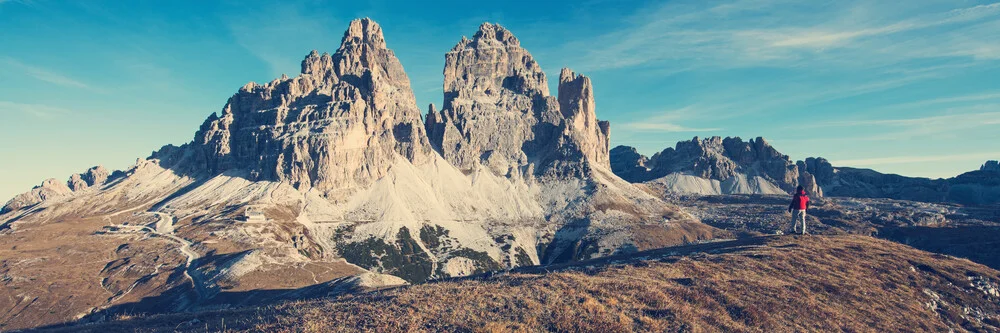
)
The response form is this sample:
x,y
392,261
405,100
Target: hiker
x,y
798,209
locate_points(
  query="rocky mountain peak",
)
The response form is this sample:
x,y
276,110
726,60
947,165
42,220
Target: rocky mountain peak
x,y
491,33
496,110
338,125
363,31
53,188
495,58
628,163
818,167
492,83
990,165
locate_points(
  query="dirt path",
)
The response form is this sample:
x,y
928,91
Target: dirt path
x,y
164,227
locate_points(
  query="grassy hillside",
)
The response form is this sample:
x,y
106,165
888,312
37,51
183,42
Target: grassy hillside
x,y
782,283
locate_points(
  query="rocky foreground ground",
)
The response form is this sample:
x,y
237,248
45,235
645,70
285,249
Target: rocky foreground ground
x,y
768,283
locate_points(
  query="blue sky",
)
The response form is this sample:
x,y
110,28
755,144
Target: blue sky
x,y
908,87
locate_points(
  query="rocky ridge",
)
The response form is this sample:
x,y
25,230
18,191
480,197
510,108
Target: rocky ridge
x,y
715,166
52,188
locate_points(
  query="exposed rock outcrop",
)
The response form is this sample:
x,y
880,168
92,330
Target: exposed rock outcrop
x,y
496,104
92,177
498,114
718,166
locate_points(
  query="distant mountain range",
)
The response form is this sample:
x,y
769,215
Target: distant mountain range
x,y
731,166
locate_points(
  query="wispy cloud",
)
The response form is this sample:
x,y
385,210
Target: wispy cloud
x,y
948,121
685,35
269,35
826,37
666,127
952,125
917,159
978,97
47,75
36,110
668,121
26,2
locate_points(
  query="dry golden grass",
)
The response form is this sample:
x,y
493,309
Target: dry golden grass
x,y
771,284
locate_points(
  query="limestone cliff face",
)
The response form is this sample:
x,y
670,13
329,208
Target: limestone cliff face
x,y
338,125
496,104
576,100
497,111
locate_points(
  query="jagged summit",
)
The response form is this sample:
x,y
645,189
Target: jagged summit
x,y
489,32
496,107
488,35
338,125
363,31
53,189
314,63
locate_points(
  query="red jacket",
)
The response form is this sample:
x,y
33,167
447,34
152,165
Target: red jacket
x,y
800,201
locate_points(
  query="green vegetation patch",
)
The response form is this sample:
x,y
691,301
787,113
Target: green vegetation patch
x,y
522,258
405,259
432,235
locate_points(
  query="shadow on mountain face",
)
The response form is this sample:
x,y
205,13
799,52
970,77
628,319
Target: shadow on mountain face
x,y
569,244
183,299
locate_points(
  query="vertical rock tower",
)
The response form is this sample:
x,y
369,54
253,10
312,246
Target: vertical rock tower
x,y
576,100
